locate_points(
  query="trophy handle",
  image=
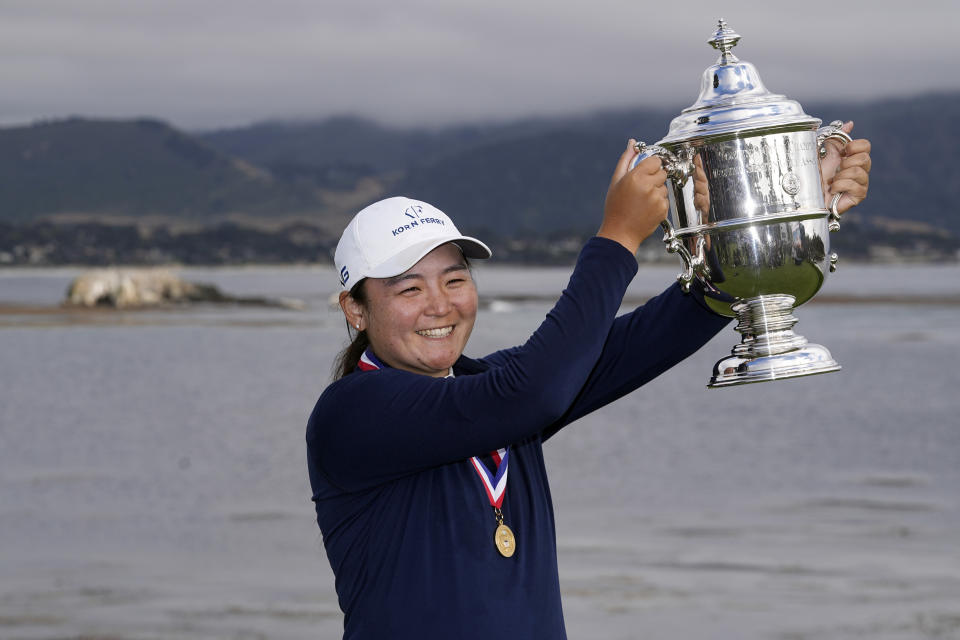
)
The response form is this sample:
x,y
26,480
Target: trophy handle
x,y
833,131
690,262
678,171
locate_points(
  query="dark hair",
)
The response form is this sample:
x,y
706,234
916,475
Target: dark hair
x,y
346,361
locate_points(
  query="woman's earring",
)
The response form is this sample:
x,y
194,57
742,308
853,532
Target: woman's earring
x,y
358,326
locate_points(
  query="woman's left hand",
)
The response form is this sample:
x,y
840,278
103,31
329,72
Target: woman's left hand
x,y
846,170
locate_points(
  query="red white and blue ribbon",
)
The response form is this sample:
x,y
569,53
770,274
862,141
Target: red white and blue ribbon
x,y
369,362
495,484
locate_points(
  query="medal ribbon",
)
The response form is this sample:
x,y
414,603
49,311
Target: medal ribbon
x,y
494,484
369,362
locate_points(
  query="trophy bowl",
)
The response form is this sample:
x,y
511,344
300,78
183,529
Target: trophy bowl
x,y
748,216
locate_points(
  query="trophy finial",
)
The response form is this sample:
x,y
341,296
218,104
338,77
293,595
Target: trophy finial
x,y
724,40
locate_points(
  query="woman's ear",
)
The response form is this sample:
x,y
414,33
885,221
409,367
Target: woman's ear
x,y
352,310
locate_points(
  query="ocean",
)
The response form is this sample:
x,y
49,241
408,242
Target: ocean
x,y
153,479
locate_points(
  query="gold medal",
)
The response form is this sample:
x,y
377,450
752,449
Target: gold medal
x,y
495,486
506,543
503,537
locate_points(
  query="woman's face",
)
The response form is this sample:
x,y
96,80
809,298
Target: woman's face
x,y
420,321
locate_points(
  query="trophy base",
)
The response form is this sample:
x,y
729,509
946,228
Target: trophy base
x,y
808,360
769,349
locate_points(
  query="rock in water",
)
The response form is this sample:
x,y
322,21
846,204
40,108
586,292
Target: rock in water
x,y
121,288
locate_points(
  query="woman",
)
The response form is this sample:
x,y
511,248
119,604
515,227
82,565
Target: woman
x,y
426,465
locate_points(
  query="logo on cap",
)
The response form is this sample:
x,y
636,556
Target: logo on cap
x,y
416,220
344,276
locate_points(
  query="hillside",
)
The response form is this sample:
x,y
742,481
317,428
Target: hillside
x,y
143,167
549,174
533,188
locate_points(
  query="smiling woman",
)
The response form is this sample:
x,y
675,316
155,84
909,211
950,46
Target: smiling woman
x,y
409,449
420,320
413,295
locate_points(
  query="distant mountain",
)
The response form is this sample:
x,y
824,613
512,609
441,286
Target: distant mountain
x,y
362,145
517,183
556,180
131,168
356,144
552,173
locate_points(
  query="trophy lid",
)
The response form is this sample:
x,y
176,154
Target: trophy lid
x,y
733,98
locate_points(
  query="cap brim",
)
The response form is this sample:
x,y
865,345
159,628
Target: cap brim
x,y
397,264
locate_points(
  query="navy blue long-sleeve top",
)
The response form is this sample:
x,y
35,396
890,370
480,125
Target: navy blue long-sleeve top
x,y
407,524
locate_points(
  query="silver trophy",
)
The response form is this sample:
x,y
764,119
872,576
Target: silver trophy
x,y
747,214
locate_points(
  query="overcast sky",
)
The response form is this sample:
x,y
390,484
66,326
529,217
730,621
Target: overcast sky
x,y
206,64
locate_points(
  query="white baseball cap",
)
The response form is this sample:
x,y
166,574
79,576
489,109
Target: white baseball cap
x,y
390,236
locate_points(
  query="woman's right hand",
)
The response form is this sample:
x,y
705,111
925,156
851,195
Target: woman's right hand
x,y
636,200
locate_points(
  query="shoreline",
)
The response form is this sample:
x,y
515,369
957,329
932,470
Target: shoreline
x,y
665,261
29,309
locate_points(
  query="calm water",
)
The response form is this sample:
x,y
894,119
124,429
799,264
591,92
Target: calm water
x,y
153,479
